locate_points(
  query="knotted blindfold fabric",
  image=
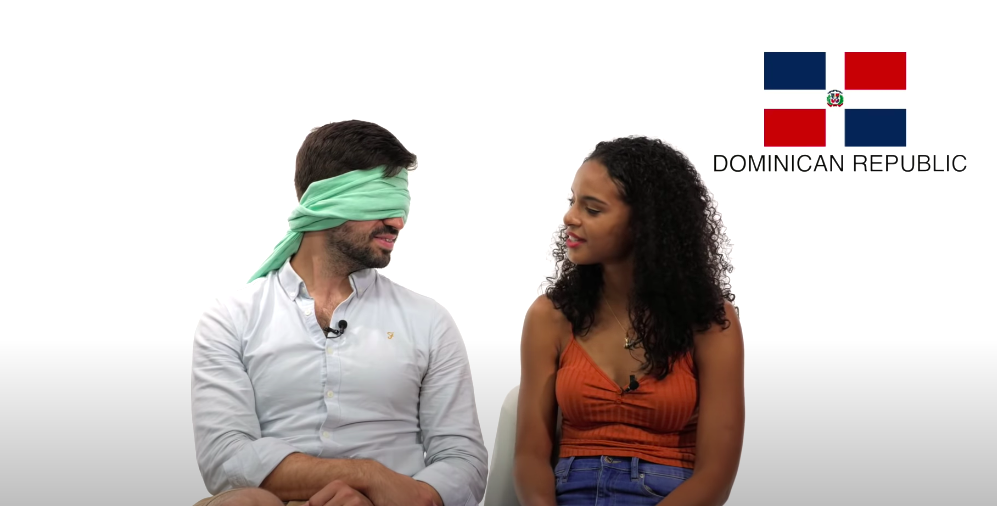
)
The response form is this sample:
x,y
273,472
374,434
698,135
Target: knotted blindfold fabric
x,y
358,195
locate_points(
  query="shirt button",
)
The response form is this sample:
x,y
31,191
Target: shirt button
x,y
308,313
325,435
328,351
328,394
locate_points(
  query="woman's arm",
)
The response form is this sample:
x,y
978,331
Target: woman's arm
x,y
536,413
720,430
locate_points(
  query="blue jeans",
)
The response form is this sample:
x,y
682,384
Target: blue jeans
x,y
613,481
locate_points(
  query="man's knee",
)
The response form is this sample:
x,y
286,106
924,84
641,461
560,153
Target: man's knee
x,y
243,497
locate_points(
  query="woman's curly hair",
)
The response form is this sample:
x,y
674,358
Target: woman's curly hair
x,y
680,264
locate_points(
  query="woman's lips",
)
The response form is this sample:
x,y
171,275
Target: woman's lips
x,y
573,241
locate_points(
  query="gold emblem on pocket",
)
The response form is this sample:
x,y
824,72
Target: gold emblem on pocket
x,y
391,335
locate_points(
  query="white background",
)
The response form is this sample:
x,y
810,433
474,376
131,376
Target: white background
x,y
147,160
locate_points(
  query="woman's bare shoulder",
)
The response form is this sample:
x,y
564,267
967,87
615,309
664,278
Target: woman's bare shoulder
x,y
546,323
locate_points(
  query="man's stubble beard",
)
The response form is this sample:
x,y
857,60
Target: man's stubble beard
x,y
353,251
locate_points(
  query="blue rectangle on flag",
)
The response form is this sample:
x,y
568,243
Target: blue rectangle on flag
x,y
795,71
875,127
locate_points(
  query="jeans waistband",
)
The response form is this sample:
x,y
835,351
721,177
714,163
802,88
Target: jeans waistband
x,y
632,465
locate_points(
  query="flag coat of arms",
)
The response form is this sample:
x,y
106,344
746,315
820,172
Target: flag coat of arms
x,y
807,74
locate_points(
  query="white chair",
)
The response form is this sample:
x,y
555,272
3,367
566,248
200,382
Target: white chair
x,y
501,490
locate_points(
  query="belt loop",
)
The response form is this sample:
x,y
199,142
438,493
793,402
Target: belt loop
x,y
633,468
567,469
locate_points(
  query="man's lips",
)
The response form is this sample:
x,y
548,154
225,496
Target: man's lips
x,y
386,241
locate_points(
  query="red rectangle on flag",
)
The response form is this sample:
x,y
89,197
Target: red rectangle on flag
x,y
795,127
875,71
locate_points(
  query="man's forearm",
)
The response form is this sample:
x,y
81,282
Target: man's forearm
x,y
300,476
432,492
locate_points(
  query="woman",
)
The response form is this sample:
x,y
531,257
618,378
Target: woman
x,y
635,341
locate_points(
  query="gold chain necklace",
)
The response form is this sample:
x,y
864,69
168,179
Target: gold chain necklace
x,y
626,337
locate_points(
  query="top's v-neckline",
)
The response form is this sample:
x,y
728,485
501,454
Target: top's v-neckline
x,y
602,372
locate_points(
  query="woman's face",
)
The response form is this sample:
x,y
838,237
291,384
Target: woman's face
x,y
598,220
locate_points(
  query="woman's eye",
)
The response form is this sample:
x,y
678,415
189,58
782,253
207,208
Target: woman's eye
x,y
589,210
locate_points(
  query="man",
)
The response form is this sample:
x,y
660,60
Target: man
x,y
323,381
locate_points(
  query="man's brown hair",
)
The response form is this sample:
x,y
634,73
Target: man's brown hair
x,y
338,148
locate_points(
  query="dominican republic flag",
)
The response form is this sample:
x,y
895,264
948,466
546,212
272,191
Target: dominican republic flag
x,y
809,95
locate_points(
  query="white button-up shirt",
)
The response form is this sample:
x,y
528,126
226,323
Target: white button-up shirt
x,y
395,387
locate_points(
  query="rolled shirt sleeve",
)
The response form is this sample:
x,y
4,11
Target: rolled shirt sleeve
x,y
456,458
231,451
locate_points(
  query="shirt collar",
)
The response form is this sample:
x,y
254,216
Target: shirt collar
x,y
293,285
362,280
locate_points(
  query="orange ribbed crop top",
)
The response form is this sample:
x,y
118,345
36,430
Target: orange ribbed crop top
x,y
655,422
